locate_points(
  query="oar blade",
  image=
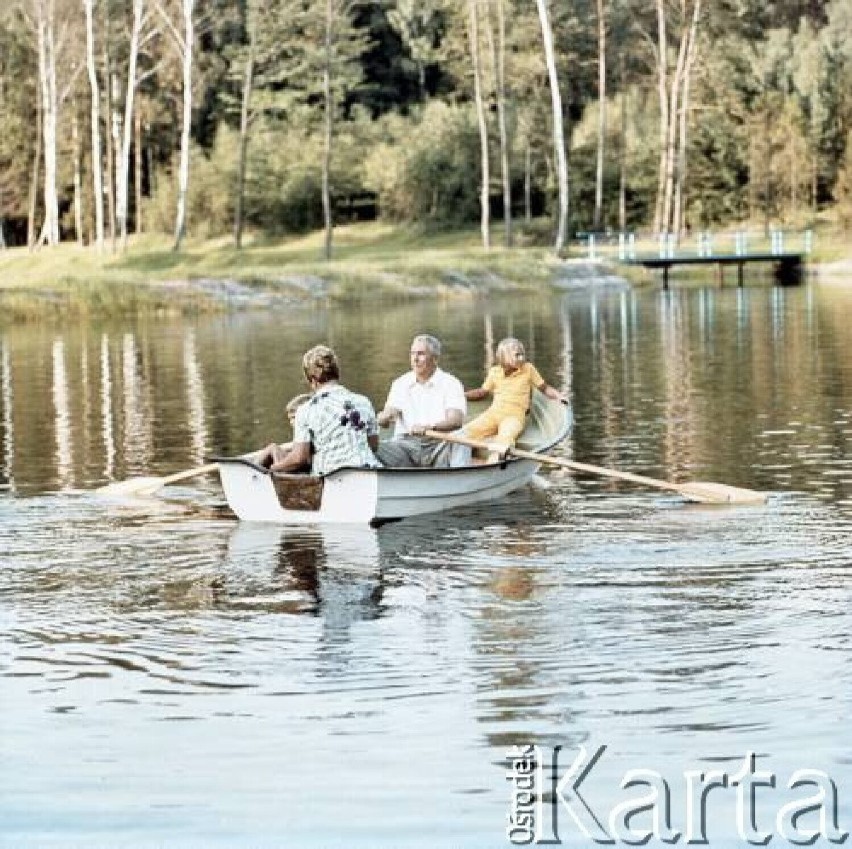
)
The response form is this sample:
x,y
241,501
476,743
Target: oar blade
x,y
707,492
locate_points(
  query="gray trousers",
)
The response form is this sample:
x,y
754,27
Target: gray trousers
x,y
408,451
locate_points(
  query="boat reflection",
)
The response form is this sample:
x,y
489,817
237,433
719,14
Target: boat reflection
x,y
331,572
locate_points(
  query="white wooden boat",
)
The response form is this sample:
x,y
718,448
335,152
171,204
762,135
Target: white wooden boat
x,y
375,496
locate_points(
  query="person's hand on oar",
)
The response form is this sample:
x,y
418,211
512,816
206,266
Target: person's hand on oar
x,y
143,486
700,492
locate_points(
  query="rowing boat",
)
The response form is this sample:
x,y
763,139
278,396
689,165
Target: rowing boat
x,y
375,496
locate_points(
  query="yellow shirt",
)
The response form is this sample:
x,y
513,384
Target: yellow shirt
x,y
511,392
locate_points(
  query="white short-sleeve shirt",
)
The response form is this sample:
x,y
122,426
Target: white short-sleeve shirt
x,y
424,403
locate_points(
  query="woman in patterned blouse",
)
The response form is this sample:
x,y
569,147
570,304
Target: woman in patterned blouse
x,y
336,428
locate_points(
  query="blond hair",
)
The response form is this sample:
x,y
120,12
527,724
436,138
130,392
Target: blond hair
x,y
505,348
320,364
295,402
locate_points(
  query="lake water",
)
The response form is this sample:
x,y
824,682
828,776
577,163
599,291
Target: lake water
x,y
172,677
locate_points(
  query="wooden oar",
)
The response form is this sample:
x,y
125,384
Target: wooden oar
x,y
148,486
701,492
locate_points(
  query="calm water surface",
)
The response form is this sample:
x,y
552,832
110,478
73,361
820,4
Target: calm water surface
x,y
171,677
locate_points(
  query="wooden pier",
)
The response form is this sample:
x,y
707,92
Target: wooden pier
x,y
787,268
787,265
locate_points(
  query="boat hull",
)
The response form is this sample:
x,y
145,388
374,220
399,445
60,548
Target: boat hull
x,y
374,496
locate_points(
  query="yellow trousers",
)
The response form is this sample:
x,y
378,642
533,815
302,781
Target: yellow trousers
x,y
506,428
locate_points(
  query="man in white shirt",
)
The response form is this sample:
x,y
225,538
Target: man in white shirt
x,y
426,398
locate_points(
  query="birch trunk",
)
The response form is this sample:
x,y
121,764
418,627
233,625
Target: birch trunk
x,y
662,91
558,131
675,90
109,165
122,183
484,198
34,180
137,171
683,121
599,167
248,81
78,177
499,59
328,131
622,165
188,39
50,106
97,162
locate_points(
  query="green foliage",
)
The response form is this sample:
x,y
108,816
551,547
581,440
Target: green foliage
x,y
769,116
425,170
209,210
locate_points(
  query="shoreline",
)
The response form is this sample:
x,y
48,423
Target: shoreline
x,y
372,263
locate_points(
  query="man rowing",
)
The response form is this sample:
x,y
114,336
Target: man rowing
x,y
425,398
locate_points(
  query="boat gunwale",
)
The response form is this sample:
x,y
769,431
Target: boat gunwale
x,y
561,434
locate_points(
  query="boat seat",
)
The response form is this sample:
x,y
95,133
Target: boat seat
x,y
298,492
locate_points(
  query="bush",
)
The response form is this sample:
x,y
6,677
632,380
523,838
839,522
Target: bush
x,y
210,199
427,168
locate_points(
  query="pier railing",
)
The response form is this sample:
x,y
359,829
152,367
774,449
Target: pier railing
x,y
630,246
785,252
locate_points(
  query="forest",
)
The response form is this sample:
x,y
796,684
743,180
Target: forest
x,y
219,118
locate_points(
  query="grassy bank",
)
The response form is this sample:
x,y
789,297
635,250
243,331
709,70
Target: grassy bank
x,y
370,261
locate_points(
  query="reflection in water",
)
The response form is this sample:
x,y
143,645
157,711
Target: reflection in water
x,y
7,400
330,572
62,420
197,421
138,424
743,385
178,670
106,409
676,349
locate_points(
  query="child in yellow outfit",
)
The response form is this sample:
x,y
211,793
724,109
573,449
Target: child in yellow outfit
x,y
510,382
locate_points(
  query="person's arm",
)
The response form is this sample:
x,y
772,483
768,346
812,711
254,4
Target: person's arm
x,y
387,416
453,420
298,456
553,394
476,394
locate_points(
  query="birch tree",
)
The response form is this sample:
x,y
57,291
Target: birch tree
x,y
53,28
48,45
599,164
271,60
140,34
485,172
333,47
558,131
662,94
245,107
673,92
95,100
497,48
183,39
683,122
